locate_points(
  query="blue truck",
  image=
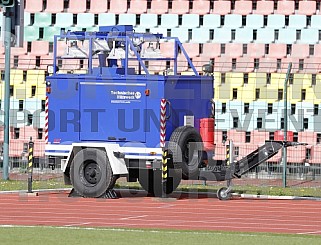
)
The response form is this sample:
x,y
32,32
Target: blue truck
x,y
110,114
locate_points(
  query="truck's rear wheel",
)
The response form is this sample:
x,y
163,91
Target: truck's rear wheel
x,y
186,146
90,173
151,181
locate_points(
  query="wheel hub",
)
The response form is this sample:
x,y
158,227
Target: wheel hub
x,y
92,173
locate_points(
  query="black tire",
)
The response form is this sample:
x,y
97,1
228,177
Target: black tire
x,y
151,181
90,173
223,195
179,146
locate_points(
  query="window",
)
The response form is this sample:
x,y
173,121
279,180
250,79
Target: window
x,y
24,76
235,122
223,108
257,93
268,78
280,94
234,96
246,78
259,122
316,109
246,108
282,123
292,109
247,137
303,94
271,135
25,147
222,78
211,34
222,20
254,4
270,108
305,123
15,61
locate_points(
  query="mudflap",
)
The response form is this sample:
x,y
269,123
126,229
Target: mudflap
x,y
110,194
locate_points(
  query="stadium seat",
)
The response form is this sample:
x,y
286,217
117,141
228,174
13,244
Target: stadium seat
x,y
286,36
211,21
233,21
64,20
308,137
180,6
26,62
244,64
127,19
181,33
264,7
192,49
118,7
200,7
148,20
137,7
223,64
31,33
34,6
254,21
85,20
159,7
39,48
307,7
300,50
169,21
233,50
297,21
277,50
27,19
106,19
49,32
243,7
265,35
42,19
309,36
267,65
243,35
211,50
315,154
190,20
255,50
222,35
316,21
276,21
317,50
77,6
54,6
19,50
222,7
98,6
285,7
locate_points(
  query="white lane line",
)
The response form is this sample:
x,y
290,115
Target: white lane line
x,y
77,224
134,217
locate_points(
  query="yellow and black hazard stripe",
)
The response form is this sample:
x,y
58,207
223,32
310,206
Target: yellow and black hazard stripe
x,y
164,165
228,155
30,161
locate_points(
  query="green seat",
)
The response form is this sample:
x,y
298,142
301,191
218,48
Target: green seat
x,y
49,32
31,33
27,19
64,20
42,19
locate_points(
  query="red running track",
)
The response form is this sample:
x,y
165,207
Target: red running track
x,y
185,213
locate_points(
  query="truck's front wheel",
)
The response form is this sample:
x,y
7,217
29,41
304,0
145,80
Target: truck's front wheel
x,y
90,173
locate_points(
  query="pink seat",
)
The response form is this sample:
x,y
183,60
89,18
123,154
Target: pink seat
x,y
34,6
307,7
192,49
200,7
39,48
45,61
118,7
236,135
19,50
211,50
264,7
308,137
300,50
223,64
295,65
256,50
159,7
259,137
77,6
277,50
180,7
166,49
317,50
222,7
315,154
137,7
285,7
27,132
39,148
16,147
313,64
243,7
27,62
267,64
98,6
244,64
296,154
233,50
55,6
198,62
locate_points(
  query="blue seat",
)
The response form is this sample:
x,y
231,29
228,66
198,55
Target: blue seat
x,y
309,36
276,21
31,33
190,20
42,19
64,20
316,21
200,35
105,19
159,30
127,19
286,36
148,20
297,21
222,35
211,20
243,35
27,20
233,21
181,33
254,21
169,20
85,20
265,35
